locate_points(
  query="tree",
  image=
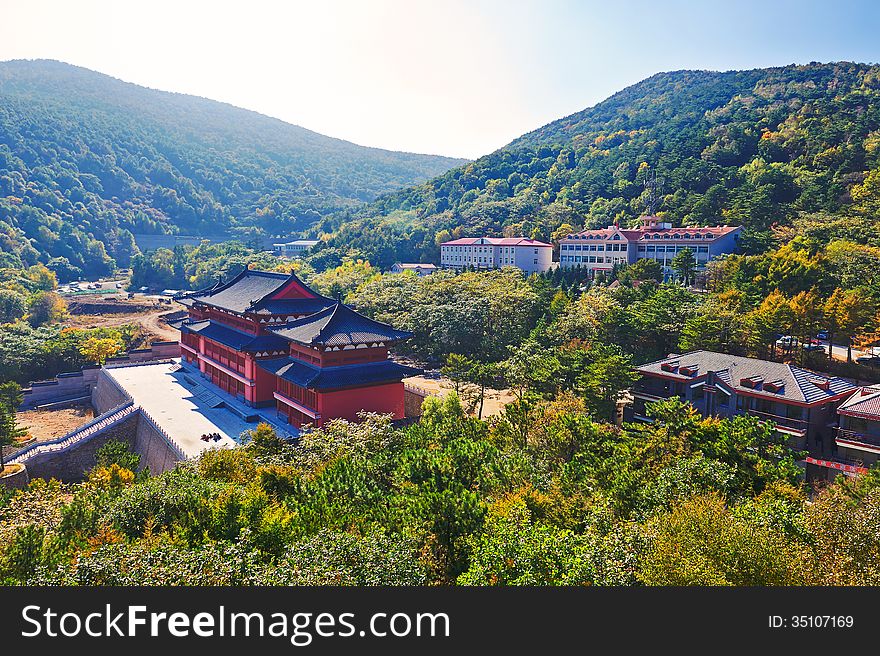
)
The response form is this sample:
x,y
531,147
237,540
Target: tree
x,y
46,308
701,542
607,376
12,306
771,318
807,314
644,269
98,349
470,379
846,312
685,265
10,400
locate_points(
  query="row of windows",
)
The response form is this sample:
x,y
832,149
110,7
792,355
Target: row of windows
x,y
299,394
598,259
482,249
224,381
671,249
225,356
594,247
476,259
500,263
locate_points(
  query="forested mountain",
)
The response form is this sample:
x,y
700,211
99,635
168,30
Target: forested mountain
x,y
86,160
757,148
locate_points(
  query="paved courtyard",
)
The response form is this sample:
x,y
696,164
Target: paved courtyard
x,y
183,404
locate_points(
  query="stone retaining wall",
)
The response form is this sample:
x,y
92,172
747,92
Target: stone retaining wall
x,y
413,398
154,450
107,393
71,464
16,481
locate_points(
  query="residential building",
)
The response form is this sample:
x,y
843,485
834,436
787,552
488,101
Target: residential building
x,y
418,269
495,252
268,339
295,248
602,249
858,437
801,403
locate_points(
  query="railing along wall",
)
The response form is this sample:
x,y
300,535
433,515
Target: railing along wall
x,y
98,425
165,436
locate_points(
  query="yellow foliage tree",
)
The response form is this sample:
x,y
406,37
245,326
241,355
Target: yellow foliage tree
x,y
98,349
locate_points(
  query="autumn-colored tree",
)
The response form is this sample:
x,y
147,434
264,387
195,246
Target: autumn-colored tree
x,y
807,310
46,308
846,312
771,318
98,349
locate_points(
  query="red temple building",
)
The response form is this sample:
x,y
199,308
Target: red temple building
x,y
270,340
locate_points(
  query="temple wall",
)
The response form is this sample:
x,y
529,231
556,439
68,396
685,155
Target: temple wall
x,y
383,399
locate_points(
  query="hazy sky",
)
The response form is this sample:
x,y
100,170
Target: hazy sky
x,y
452,77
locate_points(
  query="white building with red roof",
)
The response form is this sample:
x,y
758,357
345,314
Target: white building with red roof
x,y
496,252
602,249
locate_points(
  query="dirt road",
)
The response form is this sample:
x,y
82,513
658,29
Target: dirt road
x,y
153,327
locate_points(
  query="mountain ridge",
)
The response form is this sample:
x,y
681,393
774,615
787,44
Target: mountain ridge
x,y
86,159
754,148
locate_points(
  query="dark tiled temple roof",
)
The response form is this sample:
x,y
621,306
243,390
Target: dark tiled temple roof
x,y
247,291
339,325
234,339
294,306
299,373
787,382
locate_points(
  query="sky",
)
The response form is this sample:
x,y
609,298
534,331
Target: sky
x,y
449,77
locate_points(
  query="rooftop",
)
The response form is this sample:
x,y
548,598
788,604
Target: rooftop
x,y
864,403
234,339
304,375
339,325
649,234
251,290
186,407
300,242
496,241
753,376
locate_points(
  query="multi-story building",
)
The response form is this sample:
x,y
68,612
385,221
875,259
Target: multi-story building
x,y
295,248
600,250
495,252
858,437
801,403
270,340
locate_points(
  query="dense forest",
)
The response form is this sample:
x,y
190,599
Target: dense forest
x,y
545,497
86,160
757,148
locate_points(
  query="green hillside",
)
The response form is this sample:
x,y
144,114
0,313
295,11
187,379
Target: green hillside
x,y
756,148
86,159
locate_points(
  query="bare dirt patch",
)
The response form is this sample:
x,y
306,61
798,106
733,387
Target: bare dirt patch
x,y
48,424
150,322
493,403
